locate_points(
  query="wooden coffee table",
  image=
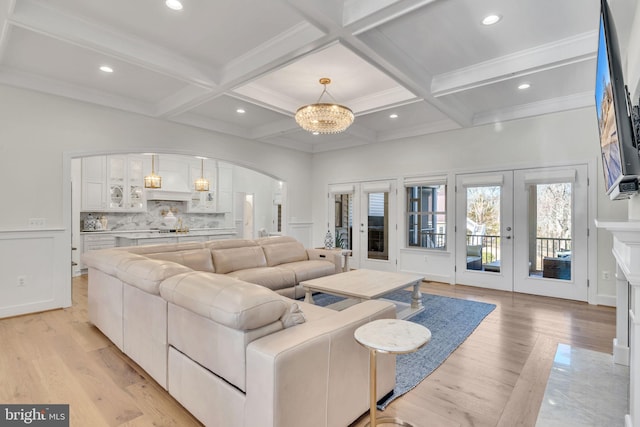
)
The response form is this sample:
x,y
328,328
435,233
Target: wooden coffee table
x,y
360,285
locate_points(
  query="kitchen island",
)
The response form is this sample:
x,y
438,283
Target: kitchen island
x,y
156,237
103,239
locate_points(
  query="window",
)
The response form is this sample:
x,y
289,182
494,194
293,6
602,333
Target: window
x,y
426,215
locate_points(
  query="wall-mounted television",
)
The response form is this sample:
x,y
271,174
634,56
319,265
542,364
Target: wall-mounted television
x,y
618,145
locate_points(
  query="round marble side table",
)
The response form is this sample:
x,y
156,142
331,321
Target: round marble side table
x,y
388,336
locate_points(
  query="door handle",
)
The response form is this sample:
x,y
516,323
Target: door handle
x,y
507,237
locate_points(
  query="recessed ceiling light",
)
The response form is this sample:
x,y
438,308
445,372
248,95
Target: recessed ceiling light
x,y
106,69
393,116
173,4
524,86
491,19
240,111
316,133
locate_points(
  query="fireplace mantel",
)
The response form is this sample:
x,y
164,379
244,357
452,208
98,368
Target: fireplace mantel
x,y
626,246
626,250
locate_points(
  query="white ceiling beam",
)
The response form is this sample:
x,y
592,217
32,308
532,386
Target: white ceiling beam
x,y
184,100
6,10
274,53
80,93
272,129
555,105
343,144
362,15
44,20
381,52
553,55
208,123
355,130
425,129
271,55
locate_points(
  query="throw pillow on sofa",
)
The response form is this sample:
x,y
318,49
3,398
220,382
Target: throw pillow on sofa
x,y
282,253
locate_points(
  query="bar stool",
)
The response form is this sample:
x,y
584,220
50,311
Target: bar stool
x,y
393,336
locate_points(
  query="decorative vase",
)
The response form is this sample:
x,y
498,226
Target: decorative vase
x,y
328,241
90,223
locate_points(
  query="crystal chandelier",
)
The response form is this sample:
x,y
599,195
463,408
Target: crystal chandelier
x,y
324,117
201,184
153,180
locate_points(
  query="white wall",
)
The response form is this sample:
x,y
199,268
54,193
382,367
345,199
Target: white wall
x,y
262,187
569,137
40,133
36,129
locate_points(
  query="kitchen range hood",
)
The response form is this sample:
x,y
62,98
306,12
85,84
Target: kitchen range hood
x,y
174,188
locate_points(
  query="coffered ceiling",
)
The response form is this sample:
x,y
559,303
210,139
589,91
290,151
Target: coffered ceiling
x,y
431,62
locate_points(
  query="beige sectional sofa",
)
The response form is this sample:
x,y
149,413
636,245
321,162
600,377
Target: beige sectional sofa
x,y
212,323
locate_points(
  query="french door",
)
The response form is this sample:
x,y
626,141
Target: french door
x,y
362,218
484,230
524,230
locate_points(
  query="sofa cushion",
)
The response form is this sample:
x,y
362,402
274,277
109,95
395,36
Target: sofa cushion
x,y
229,243
163,247
228,260
147,274
226,300
308,270
282,253
198,259
274,278
108,260
274,240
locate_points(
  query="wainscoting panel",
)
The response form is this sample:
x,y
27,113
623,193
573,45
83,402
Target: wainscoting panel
x,y
434,265
35,271
302,231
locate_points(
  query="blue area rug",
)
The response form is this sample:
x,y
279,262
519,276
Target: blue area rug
x,y
450,320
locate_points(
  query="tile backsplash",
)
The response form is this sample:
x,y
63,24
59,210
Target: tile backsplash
x,y
154,218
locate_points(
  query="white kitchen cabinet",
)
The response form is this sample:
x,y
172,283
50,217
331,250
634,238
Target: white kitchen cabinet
x,y
224,196
114,183
94,187
219,198
137,168
91,241
202,201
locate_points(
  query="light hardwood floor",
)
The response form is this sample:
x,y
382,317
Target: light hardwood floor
x,y
496,377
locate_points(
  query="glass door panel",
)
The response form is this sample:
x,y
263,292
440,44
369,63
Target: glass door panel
x,y
550,227
362,218
551,232
483,228
378,226
484,215
343,221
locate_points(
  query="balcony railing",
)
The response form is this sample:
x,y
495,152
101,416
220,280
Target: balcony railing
x,y
545,247
490,247
428,239
551,247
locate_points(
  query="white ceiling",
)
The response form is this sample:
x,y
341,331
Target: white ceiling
x,y
431,62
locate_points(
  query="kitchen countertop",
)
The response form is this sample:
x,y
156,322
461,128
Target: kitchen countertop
x,y
147,234
158,235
